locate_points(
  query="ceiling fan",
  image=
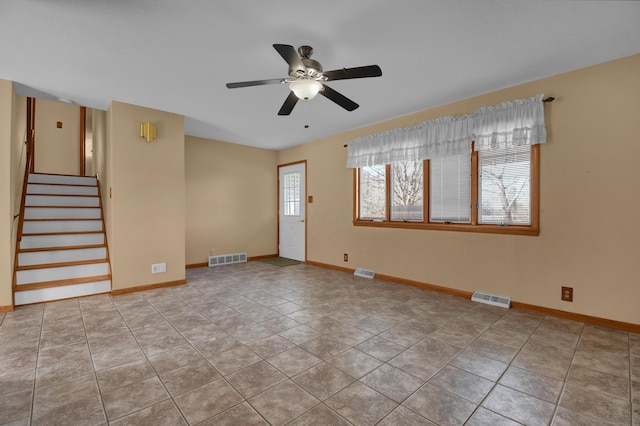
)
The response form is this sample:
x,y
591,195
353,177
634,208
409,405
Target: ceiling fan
x,y
307,79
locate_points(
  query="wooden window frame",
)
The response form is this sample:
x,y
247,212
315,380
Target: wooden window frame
x,y
473,226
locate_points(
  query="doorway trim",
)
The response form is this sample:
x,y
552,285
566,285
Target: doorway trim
x,y
304,201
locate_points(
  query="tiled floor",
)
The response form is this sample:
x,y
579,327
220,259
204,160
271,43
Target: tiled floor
x,y
255,344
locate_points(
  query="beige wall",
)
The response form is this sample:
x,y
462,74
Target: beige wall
x,y
7,97
231,199
589,239
147,211
57,150
99,134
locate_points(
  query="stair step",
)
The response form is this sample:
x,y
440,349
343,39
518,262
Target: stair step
x,y
57,226
61,200
61,240
37,188
47,273
62,213
62,179
60,256
74,288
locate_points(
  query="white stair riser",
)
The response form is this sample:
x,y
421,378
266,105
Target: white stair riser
x,y
42,227
34,188
58,256
69,180
61,273
61,292
61,200
61,213
64,240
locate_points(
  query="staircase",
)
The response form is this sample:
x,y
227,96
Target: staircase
x,y
62,251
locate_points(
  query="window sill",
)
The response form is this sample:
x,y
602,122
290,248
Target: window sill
x,y
456,227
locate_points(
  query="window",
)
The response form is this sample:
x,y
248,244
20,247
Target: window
x,y
407,183
450,189
504,196
492,191
373,193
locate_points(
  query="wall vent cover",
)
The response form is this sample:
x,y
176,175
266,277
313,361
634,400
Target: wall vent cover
x,y
365,273
226,259
491,299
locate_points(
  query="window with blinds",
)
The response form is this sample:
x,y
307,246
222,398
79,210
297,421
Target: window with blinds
x,y
373,193
407,187
450,189
504,180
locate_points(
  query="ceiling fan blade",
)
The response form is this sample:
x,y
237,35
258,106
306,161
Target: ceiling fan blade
x,y
288,105
254,83
358,72
338,98
290,55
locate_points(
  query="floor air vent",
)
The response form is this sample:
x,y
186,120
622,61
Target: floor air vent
x,y
365,273
226,259
491,299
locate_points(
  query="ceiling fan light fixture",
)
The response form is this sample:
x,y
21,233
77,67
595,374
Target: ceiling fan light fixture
x,y
305,88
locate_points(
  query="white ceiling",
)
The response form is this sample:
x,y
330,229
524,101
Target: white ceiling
x,y
177,55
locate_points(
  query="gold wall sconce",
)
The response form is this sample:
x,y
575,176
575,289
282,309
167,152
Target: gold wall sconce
x,y
148,131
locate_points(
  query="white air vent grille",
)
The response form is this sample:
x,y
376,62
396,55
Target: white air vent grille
x,y
491,299
365,273
226,259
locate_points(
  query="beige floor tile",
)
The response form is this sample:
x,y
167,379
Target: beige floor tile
x,y
86,411
417,364
207,401
233,360
354,362
160,414
323,380
125,400
242,414
283,403
189,377
320,415
402,416
380,348
270,346
361,405
598,381
462,383
596,404
61,392
324,347
124,374
255,379
518,406
483,417
15,406
294,361
539,386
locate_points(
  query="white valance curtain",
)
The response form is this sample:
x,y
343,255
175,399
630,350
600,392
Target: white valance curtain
x,y
520,122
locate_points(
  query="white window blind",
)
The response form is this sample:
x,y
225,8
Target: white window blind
x,y
505,186
450,189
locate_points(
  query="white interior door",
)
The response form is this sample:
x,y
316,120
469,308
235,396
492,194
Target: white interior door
x,y
292,216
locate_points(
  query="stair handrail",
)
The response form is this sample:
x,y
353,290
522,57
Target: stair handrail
x,y
30,138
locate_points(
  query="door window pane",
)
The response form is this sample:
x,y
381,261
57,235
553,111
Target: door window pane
x,y
291,194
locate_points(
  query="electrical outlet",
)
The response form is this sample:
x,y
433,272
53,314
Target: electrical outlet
x,y
158,268
346,257
567,294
